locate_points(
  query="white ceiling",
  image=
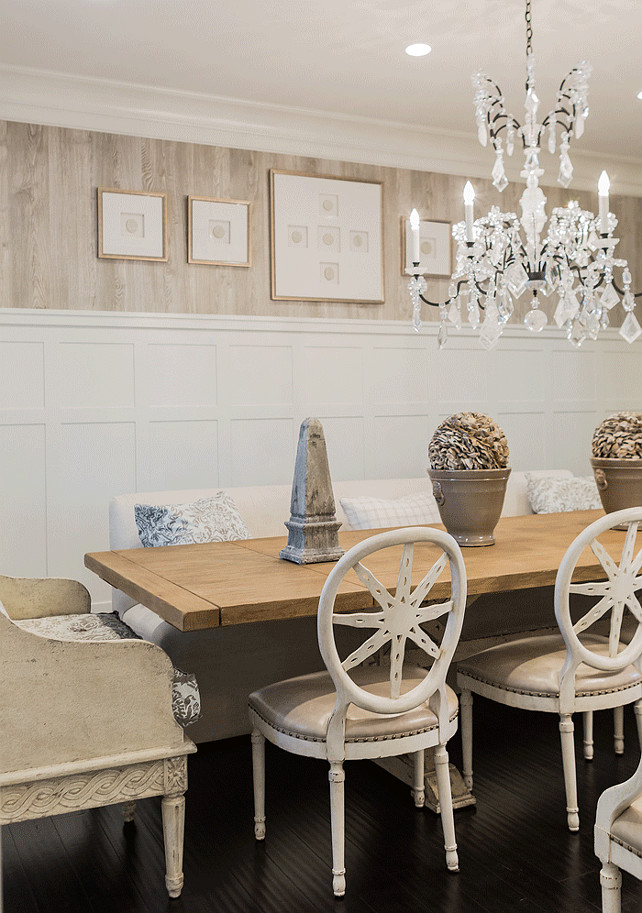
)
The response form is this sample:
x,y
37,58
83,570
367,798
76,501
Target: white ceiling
x,y
346,56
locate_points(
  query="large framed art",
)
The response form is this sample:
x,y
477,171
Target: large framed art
x,y
326,238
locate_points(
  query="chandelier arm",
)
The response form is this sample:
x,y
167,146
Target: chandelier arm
x,y
621,290
583,279
434,304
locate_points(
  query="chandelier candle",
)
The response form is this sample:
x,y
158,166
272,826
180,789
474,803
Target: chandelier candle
x,y
414,226
603,199
500,256
469,202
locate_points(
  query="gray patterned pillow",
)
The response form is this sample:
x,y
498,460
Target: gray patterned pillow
x,y
551,496
214,519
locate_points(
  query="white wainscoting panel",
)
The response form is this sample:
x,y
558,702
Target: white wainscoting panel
x,y
333,374
262,450
22,375
180,375
620,379
86,462
23,494
526,435
345,439
172,444
259,374
94,404
95,375
461,376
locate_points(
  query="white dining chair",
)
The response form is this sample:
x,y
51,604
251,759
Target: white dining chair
x,y
363,709
575,670
618,837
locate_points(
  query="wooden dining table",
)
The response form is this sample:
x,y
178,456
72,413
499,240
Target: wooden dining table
x,y
217,584
229,583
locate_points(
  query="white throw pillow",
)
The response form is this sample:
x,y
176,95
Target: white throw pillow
x,y
378,513
214,519
551,496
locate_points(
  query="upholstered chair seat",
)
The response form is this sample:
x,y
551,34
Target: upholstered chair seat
x,y
301,707
532,666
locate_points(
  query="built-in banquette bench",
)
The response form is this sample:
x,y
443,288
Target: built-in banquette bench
x,y
231,662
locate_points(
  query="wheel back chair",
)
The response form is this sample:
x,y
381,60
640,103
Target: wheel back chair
x,y
359,708
575,670
85,722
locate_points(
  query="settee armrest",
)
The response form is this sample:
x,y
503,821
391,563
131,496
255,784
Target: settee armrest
x,y
65,701
35,597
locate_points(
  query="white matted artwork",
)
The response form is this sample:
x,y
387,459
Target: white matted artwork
x,y
326,238
218,231
434,248
132,225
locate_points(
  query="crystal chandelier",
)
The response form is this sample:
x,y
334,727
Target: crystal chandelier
x,y
501,256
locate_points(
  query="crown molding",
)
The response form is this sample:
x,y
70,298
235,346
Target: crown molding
x,y
43,97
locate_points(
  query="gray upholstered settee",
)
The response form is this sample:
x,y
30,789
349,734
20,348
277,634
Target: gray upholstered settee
x,y
229,663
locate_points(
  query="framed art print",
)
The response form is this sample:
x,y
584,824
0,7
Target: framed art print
x,y
326,238
434,248
218,231
132,225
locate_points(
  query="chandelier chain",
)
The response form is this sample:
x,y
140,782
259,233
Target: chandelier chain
x,y
529,29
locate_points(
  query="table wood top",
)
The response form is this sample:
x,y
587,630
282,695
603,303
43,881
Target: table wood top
x,y
225,583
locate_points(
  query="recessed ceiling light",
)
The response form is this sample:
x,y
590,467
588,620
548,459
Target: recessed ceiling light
x,y
418,50
640,95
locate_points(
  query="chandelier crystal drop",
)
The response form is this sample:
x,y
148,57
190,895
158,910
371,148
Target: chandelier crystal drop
x,y
501,256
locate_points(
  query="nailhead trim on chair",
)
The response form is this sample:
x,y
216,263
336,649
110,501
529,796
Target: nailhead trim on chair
x,y
386,738
627,846
549,694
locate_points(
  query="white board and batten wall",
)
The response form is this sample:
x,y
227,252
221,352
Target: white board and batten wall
x,y
97,404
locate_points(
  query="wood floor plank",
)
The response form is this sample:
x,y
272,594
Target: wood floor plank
x,y
515,851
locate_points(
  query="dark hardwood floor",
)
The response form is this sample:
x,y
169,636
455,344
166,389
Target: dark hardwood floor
x,y
515,851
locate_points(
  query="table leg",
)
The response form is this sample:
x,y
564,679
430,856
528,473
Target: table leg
x,y
402,768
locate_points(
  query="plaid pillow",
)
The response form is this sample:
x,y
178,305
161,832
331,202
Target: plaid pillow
x,y
377,513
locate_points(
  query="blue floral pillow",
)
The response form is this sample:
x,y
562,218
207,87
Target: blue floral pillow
x,y
213,519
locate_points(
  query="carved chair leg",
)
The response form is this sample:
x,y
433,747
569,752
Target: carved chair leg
x,y
258,774
446,806
129,810
337,777
570,775
466,712
173,808
418,784
611,881
588,735
637,707
618,729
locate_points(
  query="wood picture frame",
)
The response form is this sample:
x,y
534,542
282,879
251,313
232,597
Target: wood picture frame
x,y
219,231
132,224
326,238
435,248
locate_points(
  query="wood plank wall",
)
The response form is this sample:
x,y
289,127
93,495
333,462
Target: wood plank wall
x,y
48,234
